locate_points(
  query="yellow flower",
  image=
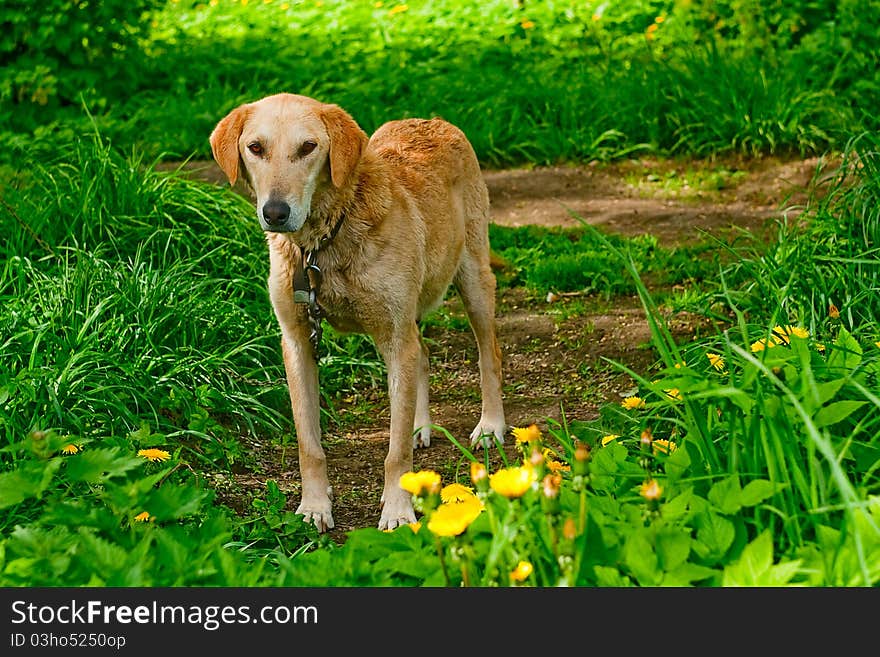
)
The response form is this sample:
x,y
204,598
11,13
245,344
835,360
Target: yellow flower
x,y
784,333
423,482
528,434
521,572
154,454
678,366
452,519
552,464
512,482
820,346
716,361
660,19
877,344
478,472
144,516
378,5
763,344
415,526
527,25
674,393
456,493
607,439
398,9
833,312
633,402
663,446
70,449
651,490
597,17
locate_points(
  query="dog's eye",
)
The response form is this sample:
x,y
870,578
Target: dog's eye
x,y
256,148
307,147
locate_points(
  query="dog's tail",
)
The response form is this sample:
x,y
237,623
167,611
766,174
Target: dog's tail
x,y
496,262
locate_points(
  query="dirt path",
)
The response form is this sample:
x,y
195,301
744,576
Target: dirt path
x,y
555,358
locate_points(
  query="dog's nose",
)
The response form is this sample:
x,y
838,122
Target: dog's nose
x,y
276,212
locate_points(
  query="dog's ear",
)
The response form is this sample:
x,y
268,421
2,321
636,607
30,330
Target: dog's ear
x,y
224,141
347,143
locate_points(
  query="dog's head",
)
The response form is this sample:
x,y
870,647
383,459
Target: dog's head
x,y
287,148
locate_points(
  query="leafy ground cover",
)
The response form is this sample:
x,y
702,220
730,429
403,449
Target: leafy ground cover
x,y
704,399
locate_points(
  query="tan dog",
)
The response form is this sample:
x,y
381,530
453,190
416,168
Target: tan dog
x,y
390,221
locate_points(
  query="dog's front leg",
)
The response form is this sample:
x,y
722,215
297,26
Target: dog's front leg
x,y
402,353
302,382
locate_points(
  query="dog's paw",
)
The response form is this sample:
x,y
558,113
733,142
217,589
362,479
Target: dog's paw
x,y
489,432
317,513
397,510
422,437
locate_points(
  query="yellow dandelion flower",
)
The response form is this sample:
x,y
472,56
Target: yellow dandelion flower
x,y
663,446
478,472
569,529
144,516
284,6
633,402
378,5
716,361
456,493
423,482
512,482
398,9
527,25
833,312
651,29
678,366
651,490
597,18
674,393
521,572
415,526
877,344
557,466
453,519
528,434
607,439
660,19
154,454
820,347
70,449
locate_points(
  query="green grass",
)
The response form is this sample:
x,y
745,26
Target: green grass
x,y
134,314
567,88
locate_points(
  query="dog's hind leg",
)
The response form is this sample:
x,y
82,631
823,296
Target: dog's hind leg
x,y
475,283
422,423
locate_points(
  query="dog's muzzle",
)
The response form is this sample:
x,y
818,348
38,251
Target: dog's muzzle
x,y
278,217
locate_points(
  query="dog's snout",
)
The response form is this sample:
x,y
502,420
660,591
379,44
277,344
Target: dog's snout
x,y
276,212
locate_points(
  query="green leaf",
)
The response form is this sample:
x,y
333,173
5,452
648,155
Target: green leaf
x,y
30,479
716,533
846,352
836,412
639,557
756,491
171,502
726,495
673,547
101,465
755,566
607,576
688,573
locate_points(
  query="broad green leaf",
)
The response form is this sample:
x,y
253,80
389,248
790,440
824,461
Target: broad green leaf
x,y
825,391
102,464
607,576
688,573
846,352
30,479
726,494
639,557
836,412
756,491
755,566
716,533
673,547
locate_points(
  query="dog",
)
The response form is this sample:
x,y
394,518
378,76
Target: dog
x,y
381,227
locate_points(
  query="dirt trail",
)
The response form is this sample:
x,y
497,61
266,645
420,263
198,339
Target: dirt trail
x,y
555,361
